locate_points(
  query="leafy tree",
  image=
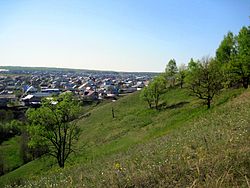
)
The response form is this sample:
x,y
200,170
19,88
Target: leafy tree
x,y
157,88
204,80
154,90
147,95
27,153
171,72
224,57
233,56
240,65
226,49
181,74
192,64
54,125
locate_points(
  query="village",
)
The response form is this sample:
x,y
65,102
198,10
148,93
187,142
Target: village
x,y
26,88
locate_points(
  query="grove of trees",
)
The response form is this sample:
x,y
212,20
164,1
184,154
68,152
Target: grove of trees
x,y
206,77
233,55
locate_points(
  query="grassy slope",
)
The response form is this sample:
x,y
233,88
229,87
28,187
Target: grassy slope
x,y
10,154
123,150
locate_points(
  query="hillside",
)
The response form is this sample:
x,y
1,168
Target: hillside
x,y
182,145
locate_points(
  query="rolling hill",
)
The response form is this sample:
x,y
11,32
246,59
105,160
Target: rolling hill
x,y
181,145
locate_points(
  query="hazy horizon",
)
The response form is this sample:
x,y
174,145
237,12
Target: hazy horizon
x,y
104,70
127,36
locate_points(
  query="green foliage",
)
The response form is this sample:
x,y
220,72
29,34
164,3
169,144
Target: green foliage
x,y
192,64
204,80
6,115
240,65
171,72
233,56
224,57
10,129
27,153
147,95
54,125
226,49
182,71
155,89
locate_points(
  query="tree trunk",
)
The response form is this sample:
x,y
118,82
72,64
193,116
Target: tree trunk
x,y
156,103
60,160
61,164
245,81
113,113
208,103
149,104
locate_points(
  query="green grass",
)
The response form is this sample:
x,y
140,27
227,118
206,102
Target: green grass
x,y
183,144
10,154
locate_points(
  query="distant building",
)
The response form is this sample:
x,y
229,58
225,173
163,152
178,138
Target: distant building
x,y
35,98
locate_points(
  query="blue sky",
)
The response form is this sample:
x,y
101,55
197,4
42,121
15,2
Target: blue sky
x,y
121,35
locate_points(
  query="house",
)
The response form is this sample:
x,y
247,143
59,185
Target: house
x,y
35,99
111,89
31,89
90,95
54,91
138,85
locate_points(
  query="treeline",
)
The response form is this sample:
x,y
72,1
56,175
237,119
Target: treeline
x,y
205,78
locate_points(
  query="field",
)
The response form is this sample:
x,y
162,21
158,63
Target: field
x,y
181,145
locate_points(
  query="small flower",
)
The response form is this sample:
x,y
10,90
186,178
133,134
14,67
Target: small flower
x,y
117,166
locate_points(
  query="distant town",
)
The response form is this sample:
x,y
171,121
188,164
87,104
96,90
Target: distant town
x,y
25,87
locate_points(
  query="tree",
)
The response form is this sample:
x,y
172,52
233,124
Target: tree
x,y
54,125
233,55
147,95
155,89
240,65
171,71
192,64
226,49
224,57
181,74
204,80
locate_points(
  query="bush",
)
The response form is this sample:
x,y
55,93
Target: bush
x,y
28,154
6,115
8,130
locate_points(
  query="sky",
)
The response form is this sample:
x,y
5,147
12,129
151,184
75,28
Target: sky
x,y
118,35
